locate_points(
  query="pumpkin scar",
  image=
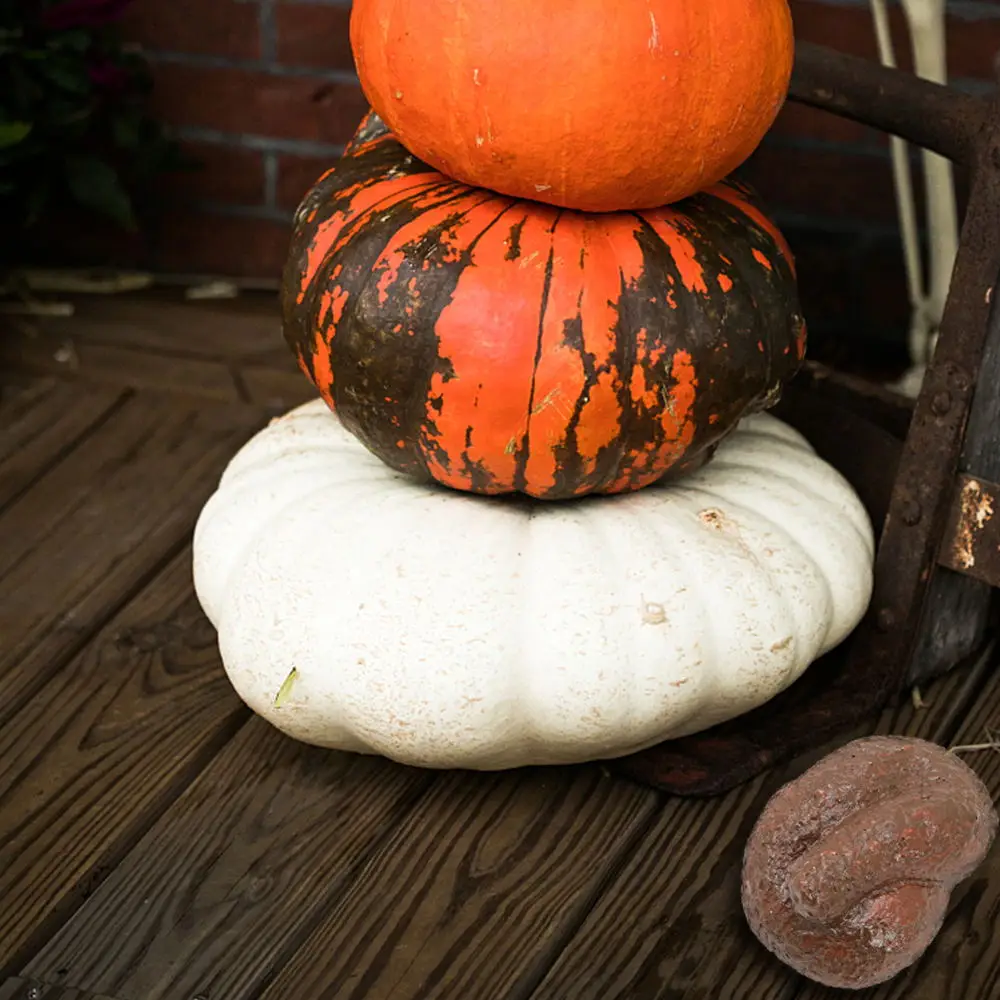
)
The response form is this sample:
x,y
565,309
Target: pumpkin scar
x,y
653,613
549,400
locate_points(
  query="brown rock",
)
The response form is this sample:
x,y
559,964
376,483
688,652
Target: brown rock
x,y
848,871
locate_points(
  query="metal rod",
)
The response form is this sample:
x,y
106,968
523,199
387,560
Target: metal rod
x,y
927,114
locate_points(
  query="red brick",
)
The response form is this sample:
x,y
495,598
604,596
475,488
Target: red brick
x,y
296,175
225,174
971,43
256,102
204,27
311,34
824,182
204,243
184,240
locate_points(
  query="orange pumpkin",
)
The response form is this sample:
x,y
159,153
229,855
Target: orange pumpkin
x,y
503,346
600,105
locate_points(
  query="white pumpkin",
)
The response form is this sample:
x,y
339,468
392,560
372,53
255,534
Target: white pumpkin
x,y
357,609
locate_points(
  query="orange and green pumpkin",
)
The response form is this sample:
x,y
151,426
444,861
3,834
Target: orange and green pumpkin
x,y
597,105
502,346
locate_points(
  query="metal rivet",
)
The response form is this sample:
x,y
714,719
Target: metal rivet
x,y
34,993
941,402
910,512
885,620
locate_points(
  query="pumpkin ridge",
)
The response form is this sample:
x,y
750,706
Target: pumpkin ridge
x,y
807,554
422,426
755,285
524,450
414,422
737,510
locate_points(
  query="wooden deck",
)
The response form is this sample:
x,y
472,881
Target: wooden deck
x,y
157,842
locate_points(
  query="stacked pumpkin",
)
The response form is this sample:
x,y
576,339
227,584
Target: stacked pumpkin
x,y
530,275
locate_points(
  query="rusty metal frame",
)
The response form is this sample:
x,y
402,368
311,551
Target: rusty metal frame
x,y
967,130
937,551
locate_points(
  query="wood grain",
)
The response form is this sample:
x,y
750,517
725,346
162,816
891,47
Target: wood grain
x,y
671,926
71,357
471,895
162,322
92,529
93,758
964,960
26,989
40,423
253,854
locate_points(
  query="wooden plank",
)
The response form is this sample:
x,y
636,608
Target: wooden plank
x,y
277,390
471,895
71,357
243,864
964,959
237,330
26,989
672,925
90,762
40,423
91,530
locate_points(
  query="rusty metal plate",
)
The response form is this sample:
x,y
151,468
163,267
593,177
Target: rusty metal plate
x,y
971,543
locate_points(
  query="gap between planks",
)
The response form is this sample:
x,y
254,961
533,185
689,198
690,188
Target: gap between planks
x,y
88,764
25,989
41,422
229,880
227,354
90,530
368,886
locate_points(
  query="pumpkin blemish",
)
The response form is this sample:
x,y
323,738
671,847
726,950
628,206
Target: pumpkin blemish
x,y
285,691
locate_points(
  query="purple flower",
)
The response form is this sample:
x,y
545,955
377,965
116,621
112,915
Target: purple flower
x,y
82,14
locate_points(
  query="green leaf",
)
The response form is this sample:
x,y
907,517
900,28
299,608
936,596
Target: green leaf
x,y
285,691
11,133
97,186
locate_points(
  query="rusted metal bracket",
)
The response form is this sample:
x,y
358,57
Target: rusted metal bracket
x,y
971,544
922,112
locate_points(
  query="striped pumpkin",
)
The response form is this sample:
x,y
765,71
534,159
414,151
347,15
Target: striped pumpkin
x,y
503,346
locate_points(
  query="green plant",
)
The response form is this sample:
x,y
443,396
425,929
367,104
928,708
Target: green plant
x,y
75,129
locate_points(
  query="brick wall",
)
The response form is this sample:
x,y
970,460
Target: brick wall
x,y
264,93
